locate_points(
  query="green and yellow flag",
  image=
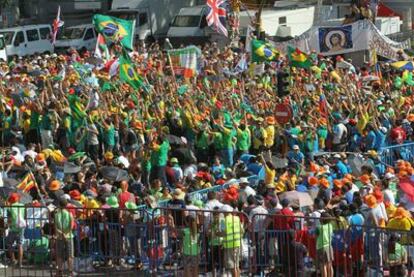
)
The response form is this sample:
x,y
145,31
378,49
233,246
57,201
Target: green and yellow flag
x,y
263,51
127,72
297,58
115,29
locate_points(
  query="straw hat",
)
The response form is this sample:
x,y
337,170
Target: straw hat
x,y
54,185
364,179
371,201
313,181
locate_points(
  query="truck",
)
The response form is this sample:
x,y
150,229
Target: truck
x,y
152,17
80,37
190,25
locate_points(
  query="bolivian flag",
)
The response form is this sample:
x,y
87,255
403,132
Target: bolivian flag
x,y
263,51
297,58
127,71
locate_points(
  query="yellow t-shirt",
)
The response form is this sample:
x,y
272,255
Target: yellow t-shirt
x,y
270,136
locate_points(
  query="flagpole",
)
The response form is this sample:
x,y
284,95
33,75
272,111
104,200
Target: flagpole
x,y
172,70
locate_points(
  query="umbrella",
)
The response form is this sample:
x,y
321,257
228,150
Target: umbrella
x,y
301,199
174,140
113,173
71,168
10,182
370,78
5,192
94,60
279,163
25,198
403,65
408,189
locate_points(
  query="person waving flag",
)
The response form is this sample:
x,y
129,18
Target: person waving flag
x,y
217,16
57,23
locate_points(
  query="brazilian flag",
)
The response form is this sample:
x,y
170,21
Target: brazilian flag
x,y
127,72
297,58
263,51
115,29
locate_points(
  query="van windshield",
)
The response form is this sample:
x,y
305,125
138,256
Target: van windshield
x,y
186,21
8,37
71,33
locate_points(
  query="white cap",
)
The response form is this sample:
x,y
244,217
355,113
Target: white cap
x,y
243,180
124,161
383,129
226,208
295,147
65,197
389,175
337,156
326,168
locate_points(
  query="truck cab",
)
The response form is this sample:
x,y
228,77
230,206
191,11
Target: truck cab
x,y
80,37
142,25
190,27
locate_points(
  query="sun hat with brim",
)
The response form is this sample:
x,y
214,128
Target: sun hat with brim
x,y
371,201
400,212
75,194
76,156
178,194
313,181
131,205
13,198
108,156
324,182
112,201
270,120
338,183
54,185
364,179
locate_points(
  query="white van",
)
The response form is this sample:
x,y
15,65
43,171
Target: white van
x,y
3,53
28,40
81,37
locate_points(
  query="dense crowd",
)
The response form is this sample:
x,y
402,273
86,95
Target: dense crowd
x,y
87,140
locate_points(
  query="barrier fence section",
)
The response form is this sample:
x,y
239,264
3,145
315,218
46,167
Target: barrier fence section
x,y
176,242
390,154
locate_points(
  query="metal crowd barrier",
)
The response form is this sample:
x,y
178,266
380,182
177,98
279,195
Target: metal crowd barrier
x,y
390,154
174,242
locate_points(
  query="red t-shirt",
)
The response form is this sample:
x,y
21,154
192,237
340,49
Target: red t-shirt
x,y
284,220
125,197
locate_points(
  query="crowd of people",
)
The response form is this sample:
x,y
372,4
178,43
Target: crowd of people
x,y
75,136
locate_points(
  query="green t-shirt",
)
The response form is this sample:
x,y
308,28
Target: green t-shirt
x,y
243,140
46,122
16,214
110,136
160,157
34,120
218,141
398,254
39,250
190,243
63,223
324,238
228,135
202,141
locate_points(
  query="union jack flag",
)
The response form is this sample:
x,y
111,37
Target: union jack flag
x,y
57,23
217,15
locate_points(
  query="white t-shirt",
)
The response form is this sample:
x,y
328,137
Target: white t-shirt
x,y
339,131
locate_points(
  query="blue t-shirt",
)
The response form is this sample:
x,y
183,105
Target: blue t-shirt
x,y
295,156
371,140
342,169
380,141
